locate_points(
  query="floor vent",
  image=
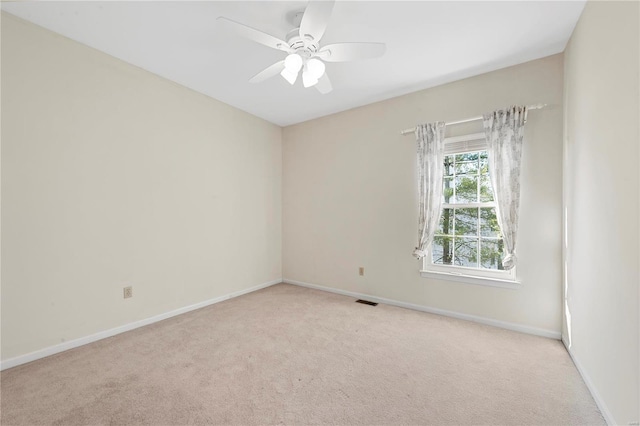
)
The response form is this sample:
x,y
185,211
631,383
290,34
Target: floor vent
x,y
366,302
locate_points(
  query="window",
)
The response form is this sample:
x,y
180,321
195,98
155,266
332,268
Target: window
x,y
468,242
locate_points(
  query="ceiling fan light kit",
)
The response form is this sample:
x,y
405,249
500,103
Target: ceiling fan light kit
x,y
303,48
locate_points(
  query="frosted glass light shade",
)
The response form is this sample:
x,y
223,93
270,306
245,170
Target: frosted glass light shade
x,y
308,79
293,63
291,77
316,67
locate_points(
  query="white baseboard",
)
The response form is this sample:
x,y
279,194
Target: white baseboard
x,y
608,417
32,356
488,321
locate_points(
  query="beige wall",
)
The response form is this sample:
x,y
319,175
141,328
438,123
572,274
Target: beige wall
x,y
601,178
112,176
349,197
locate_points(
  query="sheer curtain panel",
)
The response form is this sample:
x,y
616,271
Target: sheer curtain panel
x,y
430,142
504,130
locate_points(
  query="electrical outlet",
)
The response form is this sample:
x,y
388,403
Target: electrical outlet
x,y
361,271
128,292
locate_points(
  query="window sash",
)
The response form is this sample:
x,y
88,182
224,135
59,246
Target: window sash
x,y
462,145
488,204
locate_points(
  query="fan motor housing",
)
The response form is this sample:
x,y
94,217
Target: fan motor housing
x,y
305,46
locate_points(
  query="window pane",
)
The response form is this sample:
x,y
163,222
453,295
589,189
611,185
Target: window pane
x,y
466,189
469,156
442,250
467,163
467,221
486,192
446,222
466,253
448,165
484,162
489,222
491,252
447,190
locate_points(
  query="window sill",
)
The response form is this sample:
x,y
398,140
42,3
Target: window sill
x,y
472,279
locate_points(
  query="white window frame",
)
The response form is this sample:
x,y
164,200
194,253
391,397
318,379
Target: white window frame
x,y
490,277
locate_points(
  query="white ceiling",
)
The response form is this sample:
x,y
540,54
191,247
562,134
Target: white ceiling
x,y
428,43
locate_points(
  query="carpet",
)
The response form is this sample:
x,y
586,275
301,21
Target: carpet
x,y
292,355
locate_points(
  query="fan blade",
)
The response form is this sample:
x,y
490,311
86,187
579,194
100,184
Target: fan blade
x,y
342,52
324,84
268,72
255,35
315,19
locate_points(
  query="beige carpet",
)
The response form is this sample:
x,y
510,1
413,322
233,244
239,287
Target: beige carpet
x,y
290,355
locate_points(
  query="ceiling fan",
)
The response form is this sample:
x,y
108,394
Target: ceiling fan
x,y
303,47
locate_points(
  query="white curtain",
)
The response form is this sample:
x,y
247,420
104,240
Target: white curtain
x,y
504,130
430,141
